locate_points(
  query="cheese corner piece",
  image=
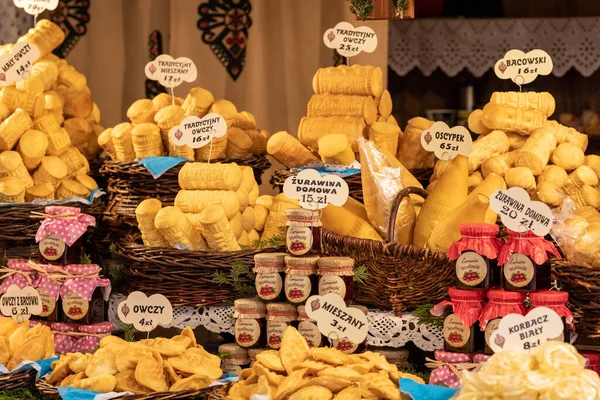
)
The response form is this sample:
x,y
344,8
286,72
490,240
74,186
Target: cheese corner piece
x,y
536,101
385,136
336,150
476,125
566,134
549,193
13,127
238,144
347,223
204,176
277,219
360,80
311,130
12,190
446,232
46,36
341,105
226,109
520,177
32,148
410,152
217,229
488,146
147,140
568,156
536,151
215,150
145,213
449,192
507,118
289,151
178,230
123,142
385,105
197,102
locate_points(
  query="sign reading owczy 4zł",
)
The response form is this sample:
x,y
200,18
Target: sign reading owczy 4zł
x,y
144,312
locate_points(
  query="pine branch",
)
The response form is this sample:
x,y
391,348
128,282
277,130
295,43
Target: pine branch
x,y
400,6
221,278
361,8
361,274
18,394
423,313
85,258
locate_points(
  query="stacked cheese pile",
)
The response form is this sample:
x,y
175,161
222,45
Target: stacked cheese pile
x,y
49,127
218,209
152,120
588,122
349,103
520,144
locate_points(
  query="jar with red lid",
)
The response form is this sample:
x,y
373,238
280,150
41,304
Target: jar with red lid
x,y
301,280
557,302
269,269
592,360
461,327
308,329
336,275
476,254
250,328
500,303
279,317
346,345
303,233
525,262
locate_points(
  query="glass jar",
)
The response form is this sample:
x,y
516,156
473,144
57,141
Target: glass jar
x,y
84,295
592,360
500,304
279,317
476,255
60,235
233,358
461,327
301,280
308,328
398,357
345,345
336,275
557,302
250,327
303,233
525,262
252,353
269,269
49,291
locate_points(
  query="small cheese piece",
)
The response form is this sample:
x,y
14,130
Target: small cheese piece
x,y
178,230
289,151
12,128
12,190
32,147
568,156
520,177
197,102
141,111
122,141
476,125
238,144
336,150
70,188
554,174
215,150
548,192
145,213
195,201
44,191
226,109
11,164
518,120
203,176
51,170
218,231
385,136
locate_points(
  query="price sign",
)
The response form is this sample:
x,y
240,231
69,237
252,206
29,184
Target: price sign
x,y
350,41
198,132
525,333
314,191
171,72
36,7
335,320
523,68
518,213
20,304
145,313
447,143
16,66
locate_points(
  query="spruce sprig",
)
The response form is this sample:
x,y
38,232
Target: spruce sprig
x,y
400,6
361,275
361,8
423,313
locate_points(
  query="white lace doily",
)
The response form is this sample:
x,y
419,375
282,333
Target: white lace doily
x,y
476,44
385,329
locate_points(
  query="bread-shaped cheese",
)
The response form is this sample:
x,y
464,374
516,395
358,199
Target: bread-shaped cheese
x,y
74,160
265,200
248,178
213,151
182,151
178,230
58,140
78,104
243,198
410,152
253,237
568,156
79,130
32,147
46,36
520,177
289,151
336,150
218,231
537,101
70,188
593,161
163,100
167,118
44,191
12,190
260,217
238,144
226,109
311,130
51,170
253,195
203,176
587,196
259,141
583,175
474,180
385,136
147,140
32,104
145,213
197,102
141,111
123,142
11,164
498,165
43,77
277,218
195,201
13,127
248,219
244,120
488,146
549,193
476,125
340,105
87,181
516,141
359,80
507,118
536,151
565,134
489,185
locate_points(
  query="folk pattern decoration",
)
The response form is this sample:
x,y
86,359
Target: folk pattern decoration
x,y
155,48
72,16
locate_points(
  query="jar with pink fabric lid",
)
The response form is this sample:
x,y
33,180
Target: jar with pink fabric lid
x,y
84,294
60,235
500,303
47,283
476,254
70,338
525,261
557,302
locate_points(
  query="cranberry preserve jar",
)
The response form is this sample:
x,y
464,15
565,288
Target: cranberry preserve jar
x,y
500,303
279,317
475,254
233,358
269,269
303,233
557,302
336,275
308,329
250,327
345,345
84,295
49,290
301,280
525,262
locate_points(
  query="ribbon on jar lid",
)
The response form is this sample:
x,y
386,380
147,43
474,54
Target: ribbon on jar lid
x,y
68,223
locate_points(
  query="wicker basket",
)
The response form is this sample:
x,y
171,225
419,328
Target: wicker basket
x,y
354,181
185,277
402,277
49,392
20,379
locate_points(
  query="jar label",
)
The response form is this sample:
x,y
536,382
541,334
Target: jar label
x,y
48,303
491,327
455,332
299,240
268,286
332,284
275,331
231,369
52,247
246,331
311,333
471,268
74,306
519,270
297,288
345,345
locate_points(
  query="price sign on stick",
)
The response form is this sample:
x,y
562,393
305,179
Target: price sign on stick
x,y
314,191
518,213
36,7
445,142
20,304
350,41
335,320
523,68
144,312
17,65
171,72
198,132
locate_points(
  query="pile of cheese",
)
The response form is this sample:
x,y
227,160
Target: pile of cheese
x,y
349,103
518,142
148,133
218,209
49,125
